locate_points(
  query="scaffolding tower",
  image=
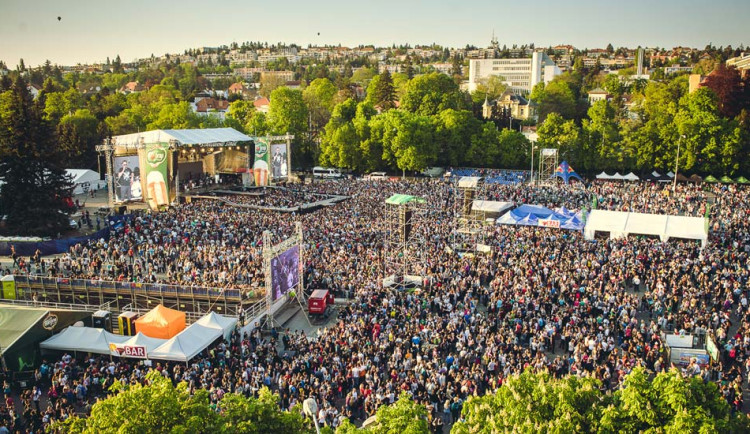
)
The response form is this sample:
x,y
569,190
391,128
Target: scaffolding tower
x,y
470,222
547,165
405,240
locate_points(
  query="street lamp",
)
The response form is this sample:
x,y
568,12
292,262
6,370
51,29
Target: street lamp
x,y
677,164
531,178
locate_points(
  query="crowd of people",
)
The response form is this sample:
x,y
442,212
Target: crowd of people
x,y
542,299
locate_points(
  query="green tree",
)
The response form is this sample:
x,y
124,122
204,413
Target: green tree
x,y
175,116
78,135
430,94
319,96
269,83
381,93
288,114
532,403
407,138
32,184
490,88
260,415
346,141
156,407
554,97
402,417
710,142
603,147
669,403
556,132
513,150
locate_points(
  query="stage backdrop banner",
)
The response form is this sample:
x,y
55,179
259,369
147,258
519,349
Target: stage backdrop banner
x,y
157,192
262,162
279,161
127,179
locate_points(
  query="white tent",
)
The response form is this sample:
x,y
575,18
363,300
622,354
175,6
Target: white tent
x,y
631,177
187,344
603,175
621,224
150,343
81,177
491,206
226,324
617,176
469,181
83,339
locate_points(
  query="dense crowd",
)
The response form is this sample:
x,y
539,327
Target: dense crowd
x,y
544,299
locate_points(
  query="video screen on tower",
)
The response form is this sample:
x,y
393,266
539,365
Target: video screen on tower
x,y
127,179
279,161
284,272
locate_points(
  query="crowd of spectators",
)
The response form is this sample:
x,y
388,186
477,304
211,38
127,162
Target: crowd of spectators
x,y
543,299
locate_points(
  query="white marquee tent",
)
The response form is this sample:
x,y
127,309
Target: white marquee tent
x,y
491,206
183,347
83,339
80,177
621,224
194,339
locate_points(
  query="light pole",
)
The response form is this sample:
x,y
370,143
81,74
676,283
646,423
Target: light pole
x,y
531,178
677,164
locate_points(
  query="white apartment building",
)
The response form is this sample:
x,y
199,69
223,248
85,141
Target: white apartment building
x,y
520,75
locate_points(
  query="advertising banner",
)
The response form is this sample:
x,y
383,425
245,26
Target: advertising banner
x,y
279,161
262,162
550,223
132,351
157,193
127,179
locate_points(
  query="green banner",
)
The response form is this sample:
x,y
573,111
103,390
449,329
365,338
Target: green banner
x,y
262,162
155,174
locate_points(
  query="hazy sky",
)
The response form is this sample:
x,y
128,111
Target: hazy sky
x,y
91,30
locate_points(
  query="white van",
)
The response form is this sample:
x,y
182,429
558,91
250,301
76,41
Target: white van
x,y
324,172
377,176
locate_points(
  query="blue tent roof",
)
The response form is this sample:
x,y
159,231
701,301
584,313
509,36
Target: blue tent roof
x,y
537,210
566,172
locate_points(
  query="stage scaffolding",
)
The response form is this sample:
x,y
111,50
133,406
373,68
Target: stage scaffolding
x,y
405,240
469,230
270,252
547,165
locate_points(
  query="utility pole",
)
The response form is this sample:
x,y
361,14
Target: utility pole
x,y
531,178
677,164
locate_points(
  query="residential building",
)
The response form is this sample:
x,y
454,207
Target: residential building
x,y
34,90
511,104
669,70
262,104
598,94
520,75
240,89
248,73
131,87
283,75
214,106
741,62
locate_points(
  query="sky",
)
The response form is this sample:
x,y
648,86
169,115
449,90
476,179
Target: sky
x,y
91,30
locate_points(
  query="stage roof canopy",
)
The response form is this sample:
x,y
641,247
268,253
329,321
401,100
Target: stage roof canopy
x,y
402,199
204,137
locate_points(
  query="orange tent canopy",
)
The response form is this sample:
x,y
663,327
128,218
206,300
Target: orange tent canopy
x,y
161,322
